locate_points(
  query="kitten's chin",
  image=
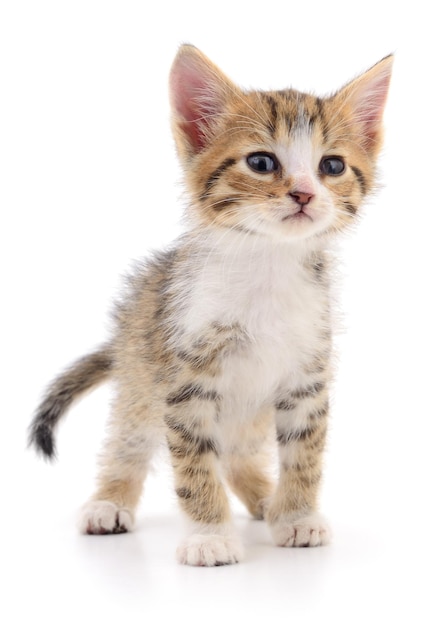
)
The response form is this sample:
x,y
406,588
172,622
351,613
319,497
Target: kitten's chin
x,y
295,227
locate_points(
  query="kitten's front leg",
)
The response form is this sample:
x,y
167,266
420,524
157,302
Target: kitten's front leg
x,y
301,420
190,422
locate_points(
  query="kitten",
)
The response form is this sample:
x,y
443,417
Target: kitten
x,y
224,341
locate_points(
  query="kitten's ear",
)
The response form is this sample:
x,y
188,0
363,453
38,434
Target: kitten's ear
x,y
366,96
198,91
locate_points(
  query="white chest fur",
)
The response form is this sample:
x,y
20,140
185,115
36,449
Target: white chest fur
x,y
264,288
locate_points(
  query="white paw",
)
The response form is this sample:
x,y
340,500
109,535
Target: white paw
x,y
209,550
310,530
100,517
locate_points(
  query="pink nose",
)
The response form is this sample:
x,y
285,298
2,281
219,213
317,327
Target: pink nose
x,y
301,197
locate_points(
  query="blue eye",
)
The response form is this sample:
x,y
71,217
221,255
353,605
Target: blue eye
x,y
262,162
332,166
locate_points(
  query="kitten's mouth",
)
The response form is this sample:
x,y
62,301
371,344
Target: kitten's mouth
x,y
299,215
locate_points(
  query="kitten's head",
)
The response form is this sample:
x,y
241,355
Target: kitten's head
x,y
278,163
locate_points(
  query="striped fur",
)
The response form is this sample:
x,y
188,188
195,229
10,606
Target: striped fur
x,y
222,344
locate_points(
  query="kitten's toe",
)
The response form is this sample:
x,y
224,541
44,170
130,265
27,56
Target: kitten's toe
x,y
100,517
210,550
309,531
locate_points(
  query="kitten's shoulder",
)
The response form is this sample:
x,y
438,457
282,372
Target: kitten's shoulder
x,y
146,284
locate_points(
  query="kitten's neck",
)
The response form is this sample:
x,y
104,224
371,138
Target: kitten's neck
x,y
232,277
237,245
232,269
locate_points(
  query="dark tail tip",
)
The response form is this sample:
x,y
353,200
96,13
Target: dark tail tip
x,y
85,373
42,439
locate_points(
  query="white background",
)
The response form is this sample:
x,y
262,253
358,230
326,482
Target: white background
x,y
88,181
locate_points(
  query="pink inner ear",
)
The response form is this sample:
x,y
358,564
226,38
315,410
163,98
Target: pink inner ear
x,y
372,112
369,101
195,99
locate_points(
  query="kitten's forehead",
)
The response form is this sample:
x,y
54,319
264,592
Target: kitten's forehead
x,y
289,111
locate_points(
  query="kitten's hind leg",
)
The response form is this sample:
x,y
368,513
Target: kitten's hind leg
x,y
103,517
249,467
111,509
124,465
249,480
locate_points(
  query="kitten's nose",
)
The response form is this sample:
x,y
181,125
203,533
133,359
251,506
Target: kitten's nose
x,y
301,197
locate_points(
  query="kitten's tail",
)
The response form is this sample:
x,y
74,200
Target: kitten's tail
x,y
87,372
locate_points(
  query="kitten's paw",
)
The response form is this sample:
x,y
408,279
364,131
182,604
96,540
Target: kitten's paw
x,y
100,517
308,531
210,550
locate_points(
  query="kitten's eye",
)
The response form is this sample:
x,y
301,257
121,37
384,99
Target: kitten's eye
x,y
262,162
332,166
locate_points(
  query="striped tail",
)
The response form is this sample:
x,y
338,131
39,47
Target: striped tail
x,y
87,372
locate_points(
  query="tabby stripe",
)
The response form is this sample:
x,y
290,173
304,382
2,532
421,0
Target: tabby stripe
x,y
225,203
199,508
212,349
194,472
300,435
194,448
194,444
184,493
272,122
361,178
291,436
287,404
187,392
308,392
318,364
291,121
318,413
319,268
313,116
284,438
197,361
322,117
214,176
311,465
294,115
350,207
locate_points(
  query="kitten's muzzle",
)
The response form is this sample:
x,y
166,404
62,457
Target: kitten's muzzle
x,y
302,199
